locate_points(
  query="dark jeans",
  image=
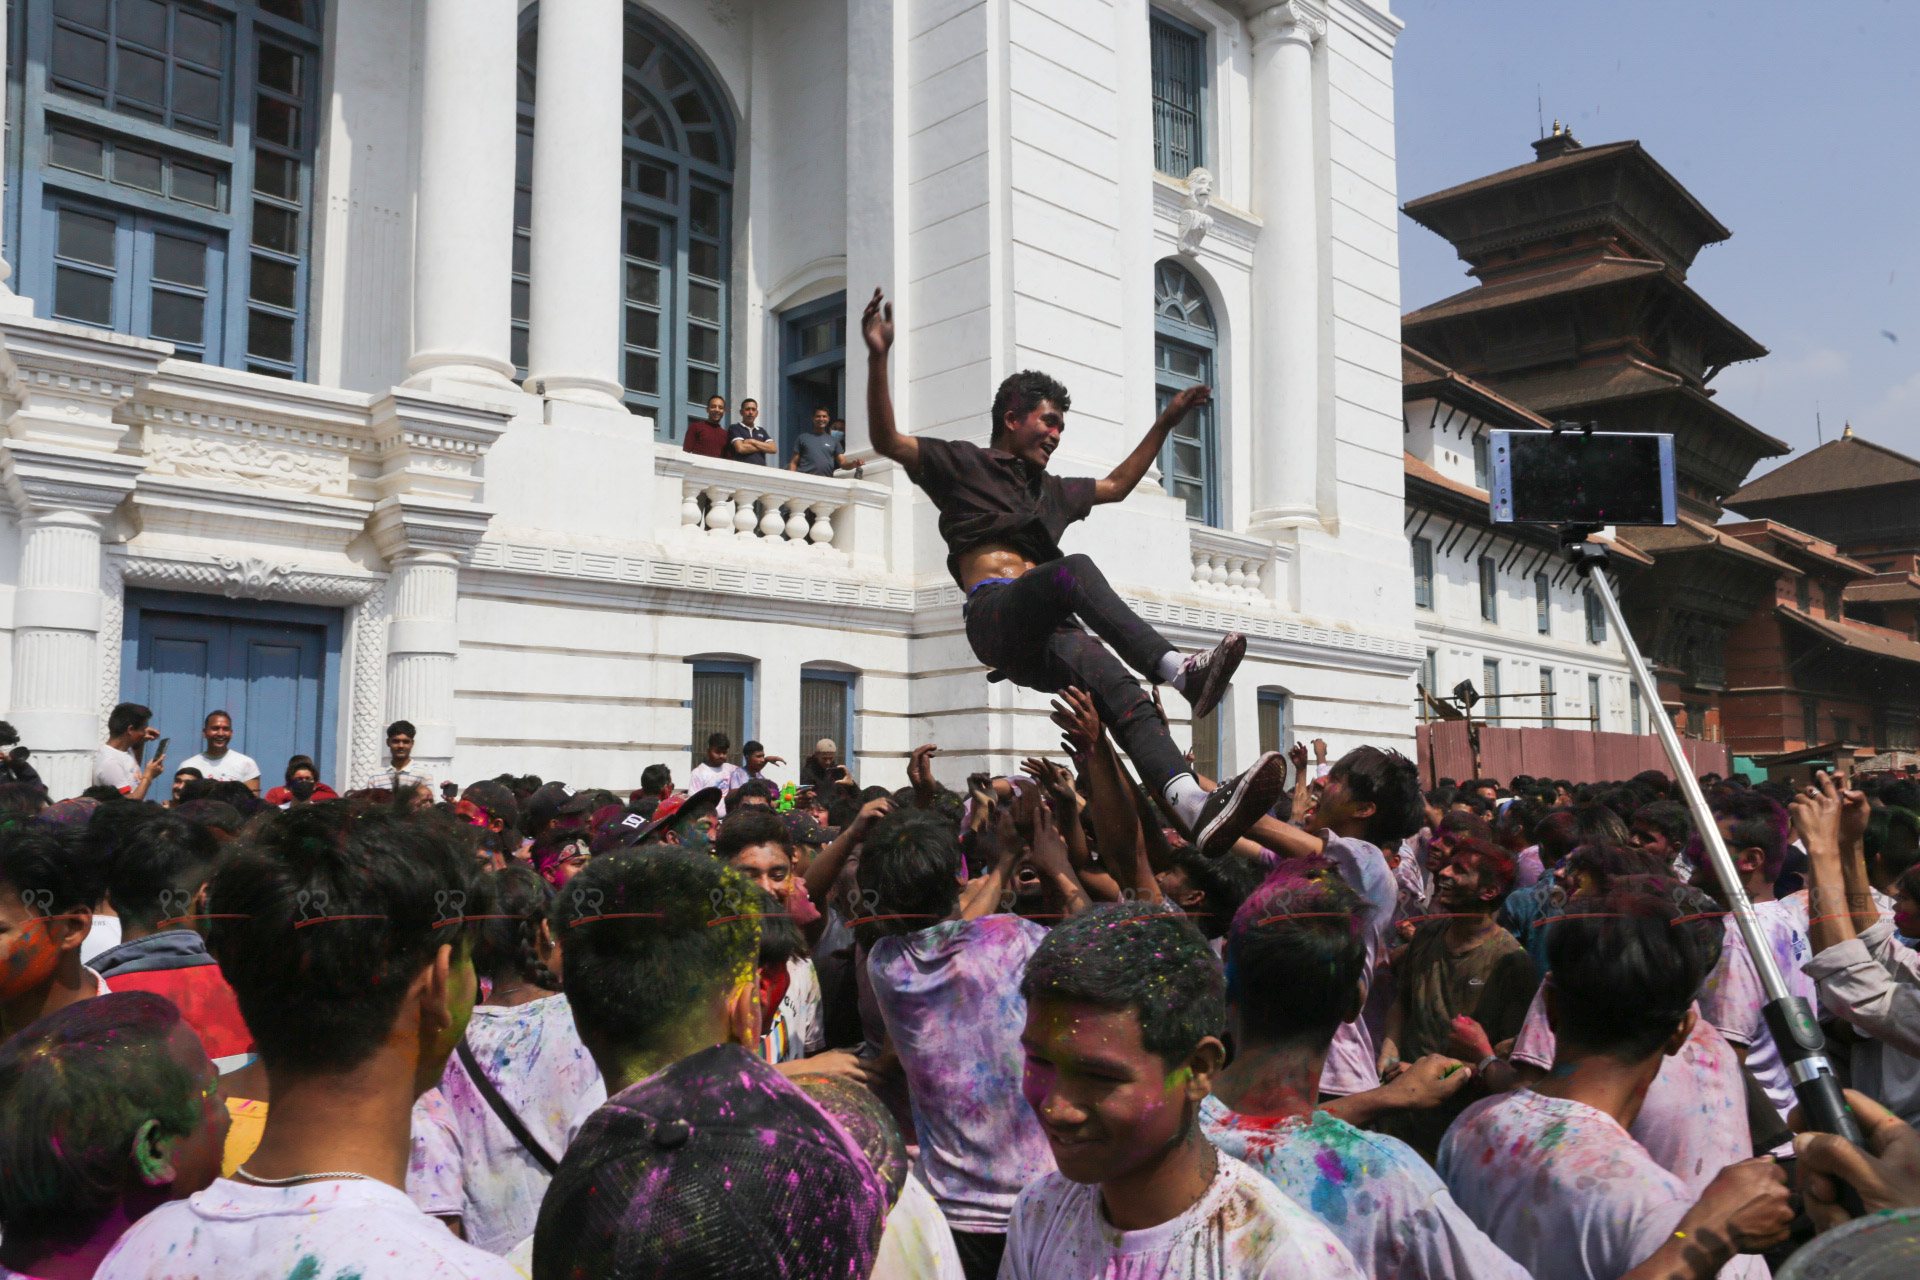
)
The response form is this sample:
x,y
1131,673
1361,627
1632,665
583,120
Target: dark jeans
x,y
1027,629
980,1253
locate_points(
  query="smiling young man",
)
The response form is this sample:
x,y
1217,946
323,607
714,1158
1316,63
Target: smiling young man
x,y
1125,1008
1029,605
335,936
218,761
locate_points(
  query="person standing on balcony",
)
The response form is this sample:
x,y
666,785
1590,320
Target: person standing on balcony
x,y
822,450
709,438
1028,603
747,441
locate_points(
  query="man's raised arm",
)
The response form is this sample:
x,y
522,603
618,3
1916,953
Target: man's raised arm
x,y
1133,468
876,326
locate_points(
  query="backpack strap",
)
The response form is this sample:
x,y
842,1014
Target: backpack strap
x,y
506,1113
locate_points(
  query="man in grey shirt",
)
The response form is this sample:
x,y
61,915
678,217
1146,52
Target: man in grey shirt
x,y
818,452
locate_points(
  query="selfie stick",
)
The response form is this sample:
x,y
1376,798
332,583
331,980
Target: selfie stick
x,y
1790,1019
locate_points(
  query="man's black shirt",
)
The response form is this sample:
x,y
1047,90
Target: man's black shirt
x,y
989,496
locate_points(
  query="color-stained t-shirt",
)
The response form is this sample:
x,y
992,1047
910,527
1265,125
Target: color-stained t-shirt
x,y
950,997
465,1160
1353,1059
917,1243
1375,1193
1694,1120
1491,981
313,1231
798,1028
1733,997
988,496
1563,1189
1243,1228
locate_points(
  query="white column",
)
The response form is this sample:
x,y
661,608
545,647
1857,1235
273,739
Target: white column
x,y
56,669
422,646
1286,269
574,316
463,220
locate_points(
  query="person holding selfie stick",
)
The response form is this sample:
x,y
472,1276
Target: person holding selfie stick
x,y
116,763
1584,480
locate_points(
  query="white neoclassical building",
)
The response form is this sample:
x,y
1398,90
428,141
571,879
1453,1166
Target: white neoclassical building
x,y
349,346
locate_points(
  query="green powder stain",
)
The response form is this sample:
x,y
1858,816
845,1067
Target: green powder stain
x,y
1551,1137
305,1269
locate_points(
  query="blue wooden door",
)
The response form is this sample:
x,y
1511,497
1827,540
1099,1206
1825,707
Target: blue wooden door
x,y
271,667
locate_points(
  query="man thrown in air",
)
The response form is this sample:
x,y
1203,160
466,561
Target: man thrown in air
x,y
1028,606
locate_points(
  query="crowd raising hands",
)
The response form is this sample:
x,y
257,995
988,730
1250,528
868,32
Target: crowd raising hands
x,y
1019,1026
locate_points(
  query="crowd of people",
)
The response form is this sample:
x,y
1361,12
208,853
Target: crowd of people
x,y
820,450
1022,1027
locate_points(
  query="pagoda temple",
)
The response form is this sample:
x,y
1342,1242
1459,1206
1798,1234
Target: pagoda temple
x,y
1582,312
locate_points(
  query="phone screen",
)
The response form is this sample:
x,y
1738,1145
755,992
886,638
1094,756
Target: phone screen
x,y
160,748
1572,477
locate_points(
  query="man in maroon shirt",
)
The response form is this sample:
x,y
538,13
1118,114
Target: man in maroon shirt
x,y
709,437
1029,606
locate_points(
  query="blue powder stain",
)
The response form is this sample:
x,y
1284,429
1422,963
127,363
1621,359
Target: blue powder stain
x,y
1329,1202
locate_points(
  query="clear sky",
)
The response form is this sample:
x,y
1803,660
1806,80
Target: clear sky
x,y
1796,123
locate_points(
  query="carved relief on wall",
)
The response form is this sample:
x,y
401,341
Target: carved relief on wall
x,y
252,463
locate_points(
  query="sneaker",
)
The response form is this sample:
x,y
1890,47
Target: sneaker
x,y
1205,676
1238,803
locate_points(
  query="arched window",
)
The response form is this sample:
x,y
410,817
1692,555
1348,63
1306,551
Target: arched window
x,y
677,252
1184,343
164,180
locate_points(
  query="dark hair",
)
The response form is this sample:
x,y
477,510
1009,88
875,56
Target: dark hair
x,y
1670,818
1480,805
213,814
402,726
1489,859
75,1088
1515,823
324,918
748,827
296,763
749,400
762,787
719,742
1901,793
654,777
1226,882
1392,783
1020,392
128,715
752,745
649,936
510,945
190,772
1439,797
1141,956
20,801
1558,834
909,868
8,734
1296,957
52,864
1758,822
497,800
211,714
1470,825
1892,841
158,867
1606,863
1658,781
1623,975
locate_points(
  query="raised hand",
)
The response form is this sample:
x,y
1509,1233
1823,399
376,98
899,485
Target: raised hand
x,y
876,325
1074,712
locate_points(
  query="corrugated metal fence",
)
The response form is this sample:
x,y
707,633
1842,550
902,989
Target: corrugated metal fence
x,y
1578,755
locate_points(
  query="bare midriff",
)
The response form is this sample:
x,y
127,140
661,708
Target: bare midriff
x,y
991,560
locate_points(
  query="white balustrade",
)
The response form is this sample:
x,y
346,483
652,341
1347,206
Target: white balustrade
x,y
1231,566
765,508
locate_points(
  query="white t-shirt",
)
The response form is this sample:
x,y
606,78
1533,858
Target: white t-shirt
x,y
917,1243
1353,1058
320,1229
1733,997
799,1028
1243,1228
1563,1189
104,935
465,1162
1694,1120
727,777
1374,1193
230,767
113,767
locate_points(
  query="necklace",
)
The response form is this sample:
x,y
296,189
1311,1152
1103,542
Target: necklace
x,y
298,1177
